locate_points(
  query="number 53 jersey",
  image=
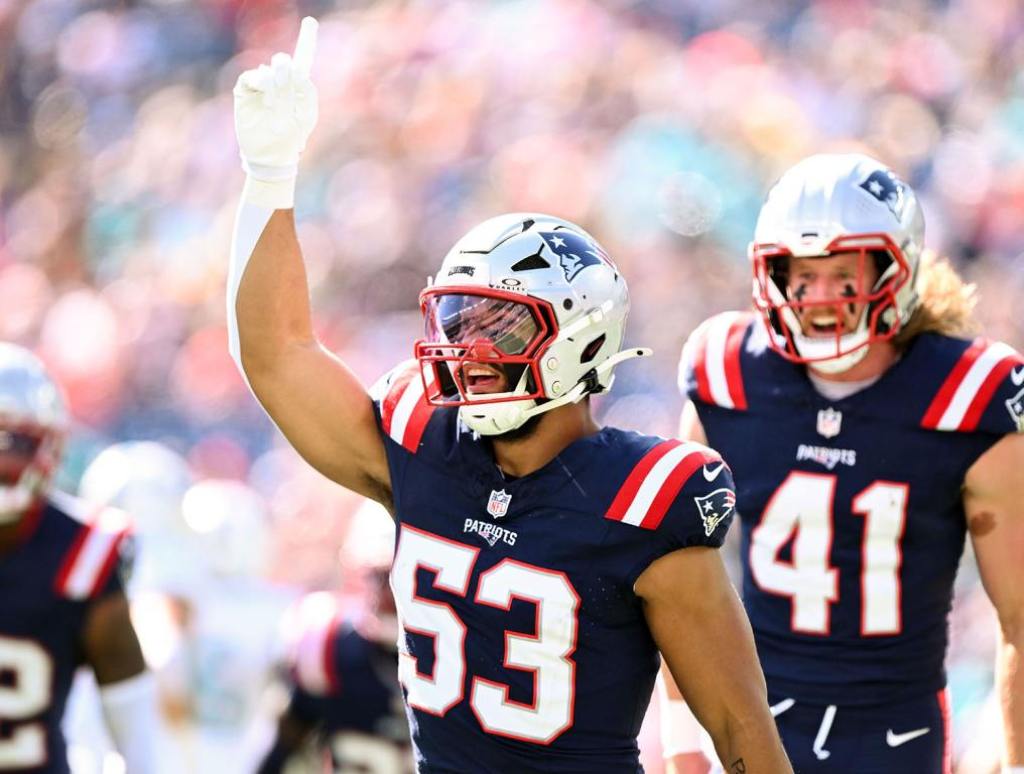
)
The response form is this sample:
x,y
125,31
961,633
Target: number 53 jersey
x,y
851,510
524,647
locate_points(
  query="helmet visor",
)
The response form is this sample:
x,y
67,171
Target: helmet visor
x,y
464,319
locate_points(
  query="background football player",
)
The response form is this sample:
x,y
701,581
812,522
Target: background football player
x,y
539,557
868,435
64,603
345,701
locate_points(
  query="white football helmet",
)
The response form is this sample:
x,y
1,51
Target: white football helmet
x,y
147,480
366,558
535,297
33,424
231,523
838,203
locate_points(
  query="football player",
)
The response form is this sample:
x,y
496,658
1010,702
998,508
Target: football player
x,y
341,665
539,557
868,437
64,604
228,642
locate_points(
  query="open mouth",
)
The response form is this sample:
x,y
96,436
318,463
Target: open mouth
x,y
482,380
823,325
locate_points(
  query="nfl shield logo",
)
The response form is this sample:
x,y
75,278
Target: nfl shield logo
x,y
497,505
830,422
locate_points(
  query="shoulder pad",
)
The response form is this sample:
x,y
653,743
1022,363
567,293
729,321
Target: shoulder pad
x,y
94,551
656,480
709,369
404,411
315,624
984,390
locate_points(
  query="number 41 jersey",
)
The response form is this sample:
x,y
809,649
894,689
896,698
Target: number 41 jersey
x,y
851,510
524,647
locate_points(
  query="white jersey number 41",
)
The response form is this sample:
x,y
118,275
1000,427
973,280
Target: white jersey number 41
x,y
801,510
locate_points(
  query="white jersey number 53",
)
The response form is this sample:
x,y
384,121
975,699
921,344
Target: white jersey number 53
x,y
547,653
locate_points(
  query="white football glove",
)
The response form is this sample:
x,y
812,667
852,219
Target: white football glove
x,y
275,112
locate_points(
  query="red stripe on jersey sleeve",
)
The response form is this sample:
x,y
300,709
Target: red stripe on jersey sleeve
x,y
417,424
676,480
395,392
945,394
985,392
108,564
733,374
627,492
330,672
60,582
700,365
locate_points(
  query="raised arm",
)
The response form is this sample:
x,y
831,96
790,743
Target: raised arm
x,y
994,502
314,398
700,627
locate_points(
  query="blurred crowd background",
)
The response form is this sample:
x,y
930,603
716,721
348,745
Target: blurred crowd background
x,y
656,124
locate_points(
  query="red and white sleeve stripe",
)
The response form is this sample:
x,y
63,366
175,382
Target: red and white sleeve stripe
x,y
713,353
92,556
656,480
313,656
964,396
404,409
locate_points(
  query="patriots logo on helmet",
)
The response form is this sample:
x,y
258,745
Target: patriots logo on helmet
x,y
575,252
888,189
1015,406
716,507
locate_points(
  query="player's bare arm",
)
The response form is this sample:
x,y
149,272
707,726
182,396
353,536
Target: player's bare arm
x,y
292,733
994,503
109,642
127,689
680,731
708,646
690,428
317,402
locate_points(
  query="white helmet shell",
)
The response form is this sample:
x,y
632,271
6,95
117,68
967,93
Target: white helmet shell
x,y
550,260
30,403
831,203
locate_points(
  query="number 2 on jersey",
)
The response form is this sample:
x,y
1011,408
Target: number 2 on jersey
x,y
27,694
547,653
801,509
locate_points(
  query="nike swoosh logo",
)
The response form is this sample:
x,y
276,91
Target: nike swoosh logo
x,y
711,475
1017,376
895,740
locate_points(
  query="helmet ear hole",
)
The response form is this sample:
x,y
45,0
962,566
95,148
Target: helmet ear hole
x,y
591,350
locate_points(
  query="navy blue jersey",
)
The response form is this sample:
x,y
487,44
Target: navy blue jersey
x,y
525,647
346,687
63,562
851,512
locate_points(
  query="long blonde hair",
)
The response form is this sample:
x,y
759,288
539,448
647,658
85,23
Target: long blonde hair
x,y
947,302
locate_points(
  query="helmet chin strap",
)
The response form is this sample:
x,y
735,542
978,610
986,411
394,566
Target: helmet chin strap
x,y
513,415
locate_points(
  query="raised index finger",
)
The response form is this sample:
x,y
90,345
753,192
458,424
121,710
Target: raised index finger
x,y
305,46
